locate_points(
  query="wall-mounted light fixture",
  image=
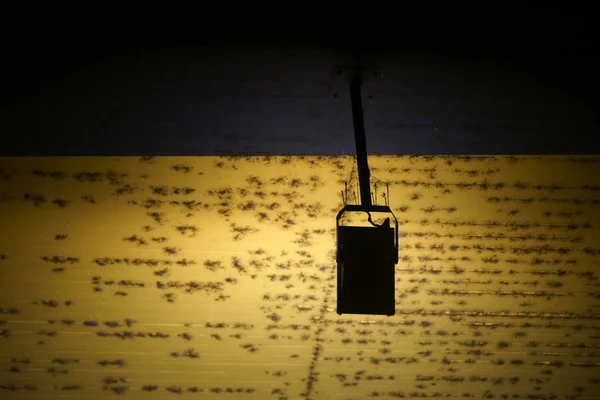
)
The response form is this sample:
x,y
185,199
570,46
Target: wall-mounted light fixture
x,y
367,251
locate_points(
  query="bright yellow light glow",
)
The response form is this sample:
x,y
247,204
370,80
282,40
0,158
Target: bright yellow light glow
x,y
216,276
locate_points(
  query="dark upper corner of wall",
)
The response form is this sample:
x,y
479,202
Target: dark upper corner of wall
x,y
280,97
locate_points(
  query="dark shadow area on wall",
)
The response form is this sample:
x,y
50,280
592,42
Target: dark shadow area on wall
x,y
456,79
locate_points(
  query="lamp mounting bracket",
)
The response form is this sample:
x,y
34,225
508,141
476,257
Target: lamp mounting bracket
x,y
370,78
368,74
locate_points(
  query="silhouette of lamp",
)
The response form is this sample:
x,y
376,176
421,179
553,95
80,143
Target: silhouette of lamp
x,y
367,251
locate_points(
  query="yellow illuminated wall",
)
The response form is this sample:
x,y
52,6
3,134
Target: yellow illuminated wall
x,y
215,277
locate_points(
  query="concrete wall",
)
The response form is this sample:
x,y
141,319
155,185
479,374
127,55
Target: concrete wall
x,y
267,100
215,277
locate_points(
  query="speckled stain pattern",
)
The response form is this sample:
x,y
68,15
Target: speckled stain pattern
x,y
215,277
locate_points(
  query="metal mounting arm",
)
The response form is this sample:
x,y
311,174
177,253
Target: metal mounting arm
x,y
360,140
